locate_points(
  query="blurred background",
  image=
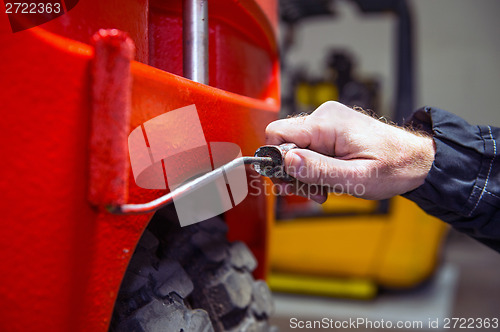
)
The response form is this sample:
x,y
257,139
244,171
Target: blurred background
x,y
384,260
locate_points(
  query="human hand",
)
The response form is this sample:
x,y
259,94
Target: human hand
x,y
346,151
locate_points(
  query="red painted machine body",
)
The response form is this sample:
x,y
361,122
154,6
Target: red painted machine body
x,y
63,258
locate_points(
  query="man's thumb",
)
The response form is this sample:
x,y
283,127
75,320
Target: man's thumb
x,y
315,168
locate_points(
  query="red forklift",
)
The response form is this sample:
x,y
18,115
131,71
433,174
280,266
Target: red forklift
x,y
76,80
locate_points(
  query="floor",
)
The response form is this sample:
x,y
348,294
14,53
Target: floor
x,y
466,285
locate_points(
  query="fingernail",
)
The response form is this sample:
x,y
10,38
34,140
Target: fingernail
x,y
295,163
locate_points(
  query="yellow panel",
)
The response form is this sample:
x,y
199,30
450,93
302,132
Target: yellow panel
x,y
348,287
399,249
412,246
344,203
303,94
323,92
326,246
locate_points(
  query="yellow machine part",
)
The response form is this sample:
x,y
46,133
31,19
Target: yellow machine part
x,y
312,285
311,96
344,204
397,250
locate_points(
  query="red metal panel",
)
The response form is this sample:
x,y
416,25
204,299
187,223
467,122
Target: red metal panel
x,y
88,16
242,45
45,233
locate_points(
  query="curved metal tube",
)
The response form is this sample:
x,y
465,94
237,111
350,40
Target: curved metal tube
x,y
185,188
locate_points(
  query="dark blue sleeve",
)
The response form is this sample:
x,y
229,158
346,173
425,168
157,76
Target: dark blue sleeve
x,y
463,185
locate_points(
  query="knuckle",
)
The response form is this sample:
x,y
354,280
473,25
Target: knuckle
x,y
275,131
324,109
329,107
330,104
272,127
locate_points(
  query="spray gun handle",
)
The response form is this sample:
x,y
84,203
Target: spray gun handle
x,y
275,168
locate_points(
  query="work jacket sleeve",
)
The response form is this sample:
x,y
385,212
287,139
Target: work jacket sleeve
x,y
463,185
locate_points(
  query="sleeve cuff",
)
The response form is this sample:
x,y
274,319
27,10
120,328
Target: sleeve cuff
x,y
453,186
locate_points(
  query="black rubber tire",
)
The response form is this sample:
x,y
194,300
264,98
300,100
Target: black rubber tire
x,y
191,279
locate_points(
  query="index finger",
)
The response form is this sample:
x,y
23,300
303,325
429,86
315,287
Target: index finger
x,y
291,130
305,132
